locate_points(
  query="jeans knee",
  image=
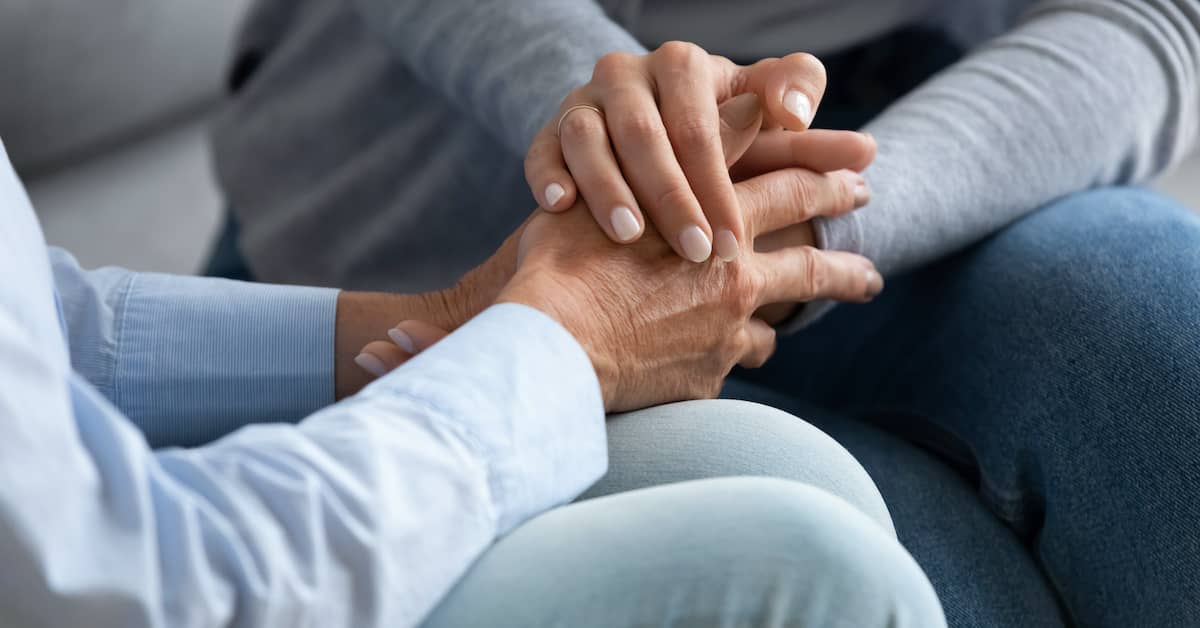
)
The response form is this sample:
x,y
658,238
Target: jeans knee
x,y
1113,248
826,548
719,552
1098,287
720,438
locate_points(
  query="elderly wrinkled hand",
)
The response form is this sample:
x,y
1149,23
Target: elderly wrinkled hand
x,y
659,328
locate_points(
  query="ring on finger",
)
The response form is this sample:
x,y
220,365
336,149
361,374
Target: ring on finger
x,y
573,109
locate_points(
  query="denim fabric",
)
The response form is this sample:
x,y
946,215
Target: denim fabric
x,y
663,541
1056,366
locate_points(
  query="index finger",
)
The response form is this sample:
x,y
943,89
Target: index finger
x,y
802,274
818,150
786,197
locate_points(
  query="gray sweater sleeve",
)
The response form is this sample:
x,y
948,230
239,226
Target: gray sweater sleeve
x,y
506,63
1083,93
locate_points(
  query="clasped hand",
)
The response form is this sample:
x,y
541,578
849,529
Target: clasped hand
x,y
659,327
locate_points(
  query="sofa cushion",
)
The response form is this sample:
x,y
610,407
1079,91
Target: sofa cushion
x,y
152,205
78,76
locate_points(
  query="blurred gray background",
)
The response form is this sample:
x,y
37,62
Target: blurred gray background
x,y
104,110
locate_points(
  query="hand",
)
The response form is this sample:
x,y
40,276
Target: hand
x,y
644,134
658,328
837,154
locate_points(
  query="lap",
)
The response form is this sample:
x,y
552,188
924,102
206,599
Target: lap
x,y
715,552
1057,364
665,539
980,569
720,438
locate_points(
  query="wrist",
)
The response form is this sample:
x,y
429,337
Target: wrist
x,y
366,316
552,295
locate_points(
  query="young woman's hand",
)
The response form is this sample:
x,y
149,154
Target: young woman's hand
x,y
795,176
643,137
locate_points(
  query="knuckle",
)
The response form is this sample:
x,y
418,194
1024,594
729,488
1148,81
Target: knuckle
x,y
692,132
814,275
677,198
705,388
541,154
610,67
638,125
713,390
743,287
802,195
582,126
808,63
679,53
843,193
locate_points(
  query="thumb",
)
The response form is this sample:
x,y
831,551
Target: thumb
x,y
741,118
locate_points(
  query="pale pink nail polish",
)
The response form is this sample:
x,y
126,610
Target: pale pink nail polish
x,y
402,340
371,364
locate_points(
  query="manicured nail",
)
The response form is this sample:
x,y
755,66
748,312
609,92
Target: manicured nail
x,y
740,111
554,194
371,364
874,284
695,244
862,194
625,224
726,245
799,105
402,340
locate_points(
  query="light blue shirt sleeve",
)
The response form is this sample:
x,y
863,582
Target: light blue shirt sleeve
x,y
507,64
364,514
190,359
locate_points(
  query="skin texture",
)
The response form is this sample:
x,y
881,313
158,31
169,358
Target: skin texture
x,y
652,143
659,328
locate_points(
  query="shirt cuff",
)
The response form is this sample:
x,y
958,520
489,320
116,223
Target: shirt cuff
x,y
525,394
198,357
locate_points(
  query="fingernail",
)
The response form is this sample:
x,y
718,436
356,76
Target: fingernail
x,y
874,284
862,194
371,364
625,224
799,105
740,112
554,194
695,244
402,340
726,245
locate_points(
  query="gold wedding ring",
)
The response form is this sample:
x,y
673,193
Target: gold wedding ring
x,y
572,110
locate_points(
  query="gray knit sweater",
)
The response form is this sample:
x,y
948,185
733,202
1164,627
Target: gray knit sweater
x,y
378,144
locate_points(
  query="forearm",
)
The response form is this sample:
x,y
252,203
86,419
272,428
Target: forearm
x,y
363,515
189,359
475,52
1085,93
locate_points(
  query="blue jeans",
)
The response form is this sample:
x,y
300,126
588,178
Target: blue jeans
x,y
669,538
1051,377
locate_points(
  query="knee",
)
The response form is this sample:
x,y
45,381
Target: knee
x,y
1107,284
726,551
720,438
817,547
1122,249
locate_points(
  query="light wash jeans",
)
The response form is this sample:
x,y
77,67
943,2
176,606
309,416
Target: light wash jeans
x,y
1051,378
677,534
